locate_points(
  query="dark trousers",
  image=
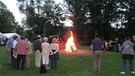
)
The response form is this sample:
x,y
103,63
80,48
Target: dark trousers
x,y
14,63
21,58
54,63
12,58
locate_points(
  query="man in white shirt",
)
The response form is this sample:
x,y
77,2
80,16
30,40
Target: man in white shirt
x,y
14,54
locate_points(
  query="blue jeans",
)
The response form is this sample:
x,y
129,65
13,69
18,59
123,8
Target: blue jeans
x,y
124,64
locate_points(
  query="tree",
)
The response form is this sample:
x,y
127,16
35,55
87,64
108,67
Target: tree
x,y
128,12
42,16
7,20
81,17
92,16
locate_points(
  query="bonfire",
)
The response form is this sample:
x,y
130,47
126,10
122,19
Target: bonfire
x,y
70,45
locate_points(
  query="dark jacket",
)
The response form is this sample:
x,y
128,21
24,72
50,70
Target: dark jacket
x,y
37,45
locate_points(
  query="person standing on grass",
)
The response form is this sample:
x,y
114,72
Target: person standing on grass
x,y
21,50
54,48
27,63
10,45
96,47
127,54
38,50
45,52
8,51
14,53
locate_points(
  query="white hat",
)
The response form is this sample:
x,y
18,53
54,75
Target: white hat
x,y
38,35
45,39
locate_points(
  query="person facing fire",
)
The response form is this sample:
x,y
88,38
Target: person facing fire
x,y
38,50
45,52
96,47
54,48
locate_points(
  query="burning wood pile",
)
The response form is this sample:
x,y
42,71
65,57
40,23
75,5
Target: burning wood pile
x,y
70,45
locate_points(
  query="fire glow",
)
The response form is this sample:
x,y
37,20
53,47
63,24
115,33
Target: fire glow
x,y
70,45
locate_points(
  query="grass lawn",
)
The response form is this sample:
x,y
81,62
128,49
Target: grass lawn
x,y
69,65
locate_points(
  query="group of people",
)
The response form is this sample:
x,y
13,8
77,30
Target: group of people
x,y
3,42
127,53
19,48
112,45
45,51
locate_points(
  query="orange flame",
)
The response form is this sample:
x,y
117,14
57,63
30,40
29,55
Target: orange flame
x,y
70,45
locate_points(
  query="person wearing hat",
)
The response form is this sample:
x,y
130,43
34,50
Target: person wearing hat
x,y
38,50
54,48
45,52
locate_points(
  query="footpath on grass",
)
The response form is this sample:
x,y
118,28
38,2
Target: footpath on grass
x,y
78,52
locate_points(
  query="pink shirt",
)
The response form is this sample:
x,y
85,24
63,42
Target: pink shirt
x,y
54,46
21,47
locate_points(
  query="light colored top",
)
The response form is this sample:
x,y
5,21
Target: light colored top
x,y
54,46
14,43
21,47
127,47
29,47
106,45
45,48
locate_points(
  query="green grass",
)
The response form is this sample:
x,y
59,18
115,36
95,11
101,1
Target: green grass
x,y
84,47
69,65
